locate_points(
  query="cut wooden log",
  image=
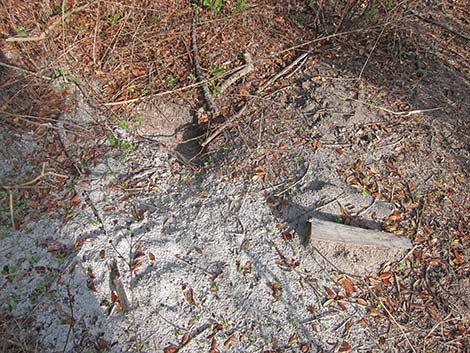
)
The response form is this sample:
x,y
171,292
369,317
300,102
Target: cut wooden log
x,y
336,232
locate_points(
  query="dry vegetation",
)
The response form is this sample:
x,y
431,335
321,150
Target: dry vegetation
x,y
121,53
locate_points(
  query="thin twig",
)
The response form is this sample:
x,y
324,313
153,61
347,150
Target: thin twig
x,y
249,67
370,53
116,285
12,211
72,319
365,210
284,71
337,198
294,184
392,112
205,90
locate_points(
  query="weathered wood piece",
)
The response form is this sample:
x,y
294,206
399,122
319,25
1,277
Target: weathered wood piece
x,y
331,231
116,285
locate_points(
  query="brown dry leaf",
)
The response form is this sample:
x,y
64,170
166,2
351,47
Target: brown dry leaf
x,y
359,163
151,256
311,309
345,347
395,216
185,338
286,236
342,306
258,174
245,244
188,294
293,338
330,292
114,297
201,195
171,349
274,286
102,254
385,275
305,347
136,267
339,151
328,302
213,344
229,341
391,228
108,208
458,258
75,198
435,261
198,249
90,284
316,144
102,343
348,286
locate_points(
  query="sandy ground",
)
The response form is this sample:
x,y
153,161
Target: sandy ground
x,y
207,262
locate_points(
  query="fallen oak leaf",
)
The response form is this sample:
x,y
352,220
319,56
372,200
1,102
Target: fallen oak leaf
x,y
348,285
136,267
229,341
344,347
171,349
458,260
293,339
185,338
330,292
102,344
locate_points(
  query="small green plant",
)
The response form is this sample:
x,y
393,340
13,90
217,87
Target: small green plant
x,y
170,79
112,140
218,70
371,10
240,6
215,5
139,119
339,220
57,9
364,191
123,124
400,266
296,20
212,83
21,32
113,19
127,145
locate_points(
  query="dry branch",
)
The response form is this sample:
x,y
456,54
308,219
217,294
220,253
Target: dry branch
x,y
205,90
239,74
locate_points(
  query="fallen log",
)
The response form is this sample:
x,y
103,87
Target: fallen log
x,y
336,232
